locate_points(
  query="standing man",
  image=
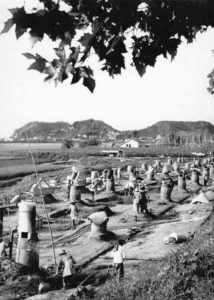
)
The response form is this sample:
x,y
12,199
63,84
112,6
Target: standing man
x,y
66,265
205,179
118,256
75,174
68,189
73,213
136,201
143,199
3,246
93,189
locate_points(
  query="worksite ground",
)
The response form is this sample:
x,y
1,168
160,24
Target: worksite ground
x,y
146,253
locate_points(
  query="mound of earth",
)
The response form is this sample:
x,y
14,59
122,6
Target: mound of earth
x,y
16,281
104,208
49,198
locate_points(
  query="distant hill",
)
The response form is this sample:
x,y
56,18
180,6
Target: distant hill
x,y
165,128
93,128
59,130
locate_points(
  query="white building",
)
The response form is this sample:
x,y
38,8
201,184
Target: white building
x,y
130,144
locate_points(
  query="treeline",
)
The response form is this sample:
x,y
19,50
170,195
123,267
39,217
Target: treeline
x,y
69,143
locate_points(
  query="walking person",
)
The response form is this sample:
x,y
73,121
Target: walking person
x,y
73,213
93,189
143,200
205,179
66,266
136,201
75,174
68,189
118,256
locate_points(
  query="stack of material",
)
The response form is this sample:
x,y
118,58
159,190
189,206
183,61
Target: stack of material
x,y
201,198
210,195
194,185
46,188
98,223
165,169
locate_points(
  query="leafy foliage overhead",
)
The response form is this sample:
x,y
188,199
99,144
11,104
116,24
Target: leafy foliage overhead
x,y
109,28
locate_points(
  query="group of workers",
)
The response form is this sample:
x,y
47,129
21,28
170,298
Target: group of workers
x,y
66,265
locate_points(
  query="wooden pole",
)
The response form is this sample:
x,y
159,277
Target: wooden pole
x,y
1,223
40,190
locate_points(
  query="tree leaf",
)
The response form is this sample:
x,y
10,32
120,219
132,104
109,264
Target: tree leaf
x,y
13,11
76,76
73,57
86,39
113,43
19,31
141,68
7,25
29,55
62,76
60,52
48,78
39,57
38,66
89,83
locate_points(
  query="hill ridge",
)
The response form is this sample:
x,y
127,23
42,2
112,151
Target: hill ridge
x,y
59,130
91,128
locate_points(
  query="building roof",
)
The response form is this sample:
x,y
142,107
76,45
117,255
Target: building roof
x,y
112,151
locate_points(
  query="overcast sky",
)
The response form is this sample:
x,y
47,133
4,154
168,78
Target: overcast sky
x,y
169,91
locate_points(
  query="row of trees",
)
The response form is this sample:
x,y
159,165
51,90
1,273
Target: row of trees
x,y
186,140
69,143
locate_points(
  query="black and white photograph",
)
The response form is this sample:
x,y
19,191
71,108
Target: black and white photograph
x,y
107,149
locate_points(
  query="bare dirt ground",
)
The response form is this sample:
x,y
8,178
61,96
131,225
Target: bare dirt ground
x,y
144,238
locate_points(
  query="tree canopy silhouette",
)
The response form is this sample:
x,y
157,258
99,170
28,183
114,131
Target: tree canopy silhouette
x,y
109,28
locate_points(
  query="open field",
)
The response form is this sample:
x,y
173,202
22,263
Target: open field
x,y
18,147
24,170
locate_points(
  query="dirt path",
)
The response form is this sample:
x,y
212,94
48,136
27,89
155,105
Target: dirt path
x,y
148,244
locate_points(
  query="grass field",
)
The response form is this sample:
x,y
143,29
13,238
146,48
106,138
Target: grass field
x,y
21,149
24,170
18,147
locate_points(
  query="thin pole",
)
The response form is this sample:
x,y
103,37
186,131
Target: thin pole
x,y
40,190
1,223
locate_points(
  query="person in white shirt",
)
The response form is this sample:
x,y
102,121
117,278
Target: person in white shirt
x,y
73,213
3,246
93,189
118,256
